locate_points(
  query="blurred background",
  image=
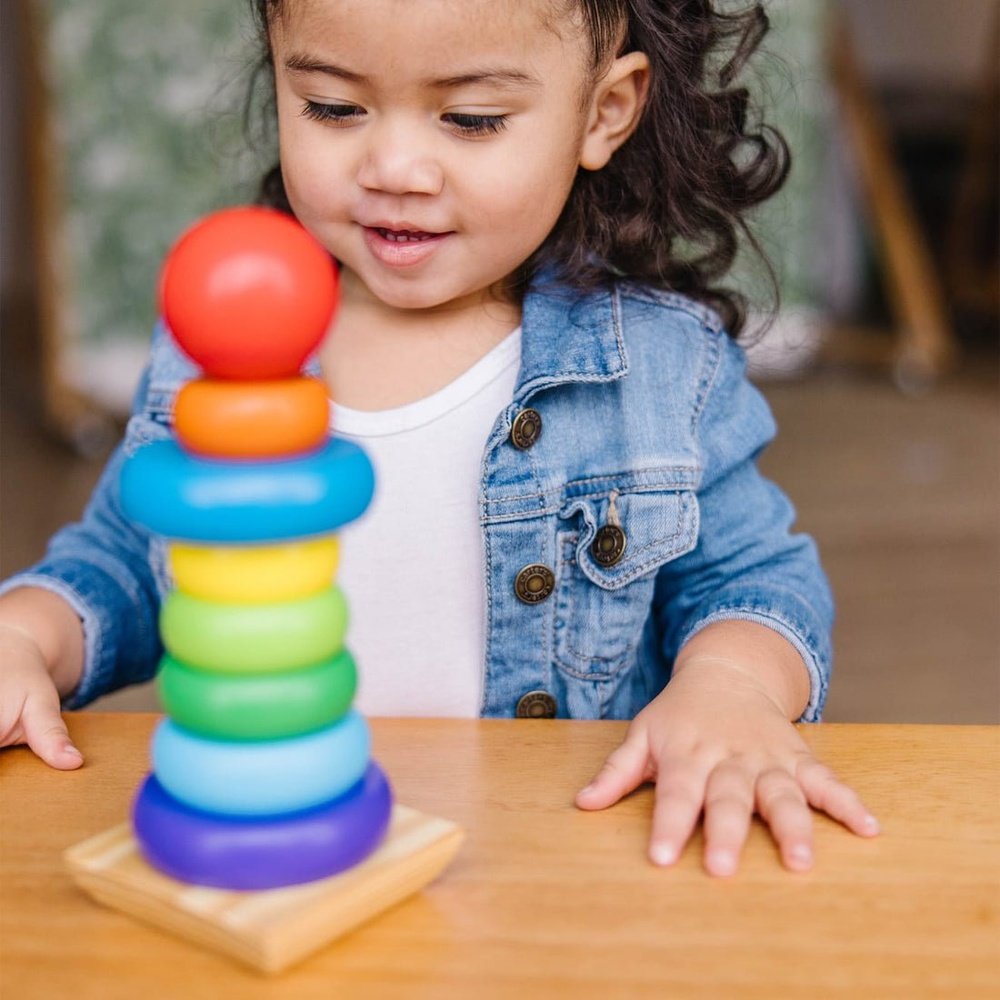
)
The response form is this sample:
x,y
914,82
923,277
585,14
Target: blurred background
x,y
122,123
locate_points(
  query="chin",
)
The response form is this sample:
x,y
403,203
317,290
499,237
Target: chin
x,y
418,295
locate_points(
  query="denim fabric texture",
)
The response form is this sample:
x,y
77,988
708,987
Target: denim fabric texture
x,y
648,422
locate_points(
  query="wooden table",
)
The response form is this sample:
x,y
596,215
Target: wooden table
x,y
544,900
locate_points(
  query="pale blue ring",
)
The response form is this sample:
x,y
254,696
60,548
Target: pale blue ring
x,y
261,778
179,495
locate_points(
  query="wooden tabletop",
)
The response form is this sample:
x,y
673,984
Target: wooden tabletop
x,y
547,901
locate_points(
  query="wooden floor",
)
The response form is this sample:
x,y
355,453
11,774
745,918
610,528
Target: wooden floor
x,y
902,493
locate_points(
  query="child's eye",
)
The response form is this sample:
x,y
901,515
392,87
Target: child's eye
x,y
477,124
336,113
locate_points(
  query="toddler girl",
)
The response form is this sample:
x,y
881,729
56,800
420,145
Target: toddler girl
x,y
531,202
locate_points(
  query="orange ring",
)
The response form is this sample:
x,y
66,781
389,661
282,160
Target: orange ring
x,y
259,418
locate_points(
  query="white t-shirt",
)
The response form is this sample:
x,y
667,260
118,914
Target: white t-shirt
x,y
412,566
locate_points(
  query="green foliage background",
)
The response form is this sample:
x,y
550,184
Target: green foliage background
x,y
148,107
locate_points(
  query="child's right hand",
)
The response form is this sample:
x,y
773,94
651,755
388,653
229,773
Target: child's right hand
x,y
32,671
29,702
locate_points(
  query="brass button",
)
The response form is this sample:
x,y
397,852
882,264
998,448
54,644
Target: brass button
x,y
527,428
534,583
536,705
608,545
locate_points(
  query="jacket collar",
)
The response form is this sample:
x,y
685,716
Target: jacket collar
x,y
566,336
569,336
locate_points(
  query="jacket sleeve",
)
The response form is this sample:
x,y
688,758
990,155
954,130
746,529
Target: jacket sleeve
x,y
102,566
747,563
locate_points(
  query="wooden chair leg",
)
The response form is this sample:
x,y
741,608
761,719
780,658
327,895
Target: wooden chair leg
x,y
971,244
923,347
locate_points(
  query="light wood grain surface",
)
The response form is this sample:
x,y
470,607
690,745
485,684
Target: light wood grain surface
x,y
544,900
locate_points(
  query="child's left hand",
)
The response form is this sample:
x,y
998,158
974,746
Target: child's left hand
x,y
717,740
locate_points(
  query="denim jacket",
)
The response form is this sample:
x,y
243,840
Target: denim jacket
x,y
648,424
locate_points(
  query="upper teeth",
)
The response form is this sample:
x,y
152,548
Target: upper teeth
x,y
403,236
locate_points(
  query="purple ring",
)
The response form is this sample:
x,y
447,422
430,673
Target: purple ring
x,y
233,852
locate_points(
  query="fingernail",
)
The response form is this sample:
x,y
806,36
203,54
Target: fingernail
x,y
801,854
586,790
69,748
871,824
722,863
663,854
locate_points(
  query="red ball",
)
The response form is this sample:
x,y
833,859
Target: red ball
x,y
248,294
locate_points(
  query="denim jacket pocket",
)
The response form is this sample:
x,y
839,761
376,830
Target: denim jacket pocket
x,y
602,604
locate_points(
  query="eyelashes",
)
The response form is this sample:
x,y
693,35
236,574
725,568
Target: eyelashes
x,y
347,114
340,114
478,124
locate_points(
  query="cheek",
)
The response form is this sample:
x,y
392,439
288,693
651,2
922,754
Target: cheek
x,y
530,183
303,159
312,182
527,197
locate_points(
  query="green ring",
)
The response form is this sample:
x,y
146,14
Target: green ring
x,y
257,706
253,638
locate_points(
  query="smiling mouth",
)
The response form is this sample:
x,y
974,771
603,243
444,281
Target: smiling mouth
x,y
404,248
405,235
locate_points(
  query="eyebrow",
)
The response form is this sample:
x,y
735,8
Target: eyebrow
x,y
301,63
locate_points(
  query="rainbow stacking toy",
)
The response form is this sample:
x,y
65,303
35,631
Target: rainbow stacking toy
x,y
262,777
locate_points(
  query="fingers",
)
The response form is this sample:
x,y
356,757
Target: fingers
x,y
46,734
731,792
826,792
729,803
728,789
680,792
29,703
727,793
782,805
625,769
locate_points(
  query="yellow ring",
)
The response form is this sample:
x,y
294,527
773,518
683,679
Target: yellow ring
x,y
256,574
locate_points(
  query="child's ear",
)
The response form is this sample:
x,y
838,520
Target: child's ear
x,y
616,108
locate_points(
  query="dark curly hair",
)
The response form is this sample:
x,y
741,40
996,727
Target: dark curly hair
x,y
670,207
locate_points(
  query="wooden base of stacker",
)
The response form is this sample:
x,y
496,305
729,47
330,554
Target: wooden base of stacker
x,y
273,928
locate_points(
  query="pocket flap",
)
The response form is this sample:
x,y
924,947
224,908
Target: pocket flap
x,y
658,525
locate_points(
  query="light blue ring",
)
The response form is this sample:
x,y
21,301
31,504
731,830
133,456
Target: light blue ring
x,y
179,495
262,778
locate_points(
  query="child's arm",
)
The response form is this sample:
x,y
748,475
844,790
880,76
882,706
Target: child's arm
x,y
83,620
41,659
745,620
102,567
719,739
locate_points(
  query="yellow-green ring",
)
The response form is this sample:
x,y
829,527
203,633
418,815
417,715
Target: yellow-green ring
x,y
253,638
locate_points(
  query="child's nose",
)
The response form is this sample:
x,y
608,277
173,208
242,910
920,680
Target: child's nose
x,y
399,160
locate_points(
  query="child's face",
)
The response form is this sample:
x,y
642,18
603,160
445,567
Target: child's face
x,y
430,145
